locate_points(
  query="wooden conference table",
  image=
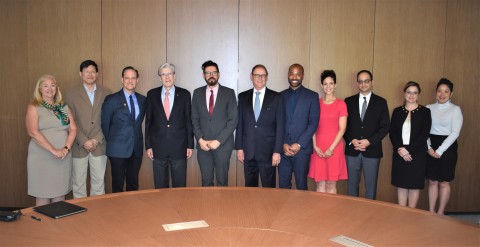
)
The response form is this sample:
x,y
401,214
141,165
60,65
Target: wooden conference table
x,y
237,217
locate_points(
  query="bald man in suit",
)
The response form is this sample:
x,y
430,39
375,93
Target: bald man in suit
x,y
302,112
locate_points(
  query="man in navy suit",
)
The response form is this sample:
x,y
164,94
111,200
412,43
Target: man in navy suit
x,y
259,136
368,123
122,117
168,130
302,111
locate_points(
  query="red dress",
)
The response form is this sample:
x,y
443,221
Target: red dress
x,y
333,168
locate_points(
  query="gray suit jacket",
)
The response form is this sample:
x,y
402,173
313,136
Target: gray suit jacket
x,y
87,118
222,123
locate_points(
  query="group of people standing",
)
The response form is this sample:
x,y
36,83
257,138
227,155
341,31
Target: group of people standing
x,y
294,130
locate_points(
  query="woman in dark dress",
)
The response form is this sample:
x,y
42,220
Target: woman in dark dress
x,y
409,130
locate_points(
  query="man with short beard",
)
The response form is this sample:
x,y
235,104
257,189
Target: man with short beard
x,y
214,118
302,111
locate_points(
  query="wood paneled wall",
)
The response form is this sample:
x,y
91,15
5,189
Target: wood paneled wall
x,y
462,63
399,40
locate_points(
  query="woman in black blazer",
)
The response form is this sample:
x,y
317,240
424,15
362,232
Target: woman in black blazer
x,y
409,130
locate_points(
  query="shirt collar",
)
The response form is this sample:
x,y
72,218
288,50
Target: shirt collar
x,y
299,89
171,91
369,95
94,88
262,91
127,95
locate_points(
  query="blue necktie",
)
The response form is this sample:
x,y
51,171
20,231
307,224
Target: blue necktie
x,y
256,106
132,108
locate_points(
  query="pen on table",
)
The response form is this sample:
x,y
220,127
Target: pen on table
x,y
36,218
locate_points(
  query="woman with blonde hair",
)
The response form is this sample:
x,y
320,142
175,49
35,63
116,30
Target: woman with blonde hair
x,y
52,129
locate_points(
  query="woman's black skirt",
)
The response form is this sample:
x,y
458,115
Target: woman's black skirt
x,y
443,169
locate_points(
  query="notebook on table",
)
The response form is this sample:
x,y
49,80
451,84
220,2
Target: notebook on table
x,y
60,209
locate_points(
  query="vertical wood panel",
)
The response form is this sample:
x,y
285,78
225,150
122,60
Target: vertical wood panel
x,y
17,94
198,31
409,46
342,40
462,63
61,34
133,34
275,34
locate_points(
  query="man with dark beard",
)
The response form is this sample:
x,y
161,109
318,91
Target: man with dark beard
x,y
214,118
302,111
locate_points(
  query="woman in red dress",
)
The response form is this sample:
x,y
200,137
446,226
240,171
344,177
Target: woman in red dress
x,y
327,163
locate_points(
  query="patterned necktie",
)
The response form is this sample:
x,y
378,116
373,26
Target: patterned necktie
x,y
166,105
132,108
210,103
364,108
256,106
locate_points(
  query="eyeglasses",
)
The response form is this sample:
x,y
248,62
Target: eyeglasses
x,y
366,81
214,73
166,74
411,93
256,76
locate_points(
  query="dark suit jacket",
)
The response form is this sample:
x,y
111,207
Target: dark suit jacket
x,y
123,135
300,127
421,122
374,127
168,138
222,123
264,137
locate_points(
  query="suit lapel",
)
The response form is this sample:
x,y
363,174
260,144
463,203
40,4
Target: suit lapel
x,y
203,95
249,106
175,102
370,104
123,102
267,98
219,99
161,104
356,110
96,99
84,96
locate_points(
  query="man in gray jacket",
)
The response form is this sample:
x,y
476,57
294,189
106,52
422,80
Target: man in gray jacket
x,y
214,118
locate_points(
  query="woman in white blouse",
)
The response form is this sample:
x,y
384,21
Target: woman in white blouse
x,y
447,120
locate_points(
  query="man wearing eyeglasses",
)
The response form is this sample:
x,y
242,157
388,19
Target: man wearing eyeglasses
x,y
368,123
168,130
259,135
214,118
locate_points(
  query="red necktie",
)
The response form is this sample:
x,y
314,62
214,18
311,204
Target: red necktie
x,y
210,104
166,105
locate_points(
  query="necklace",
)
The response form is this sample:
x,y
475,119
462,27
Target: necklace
x,y
59,111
